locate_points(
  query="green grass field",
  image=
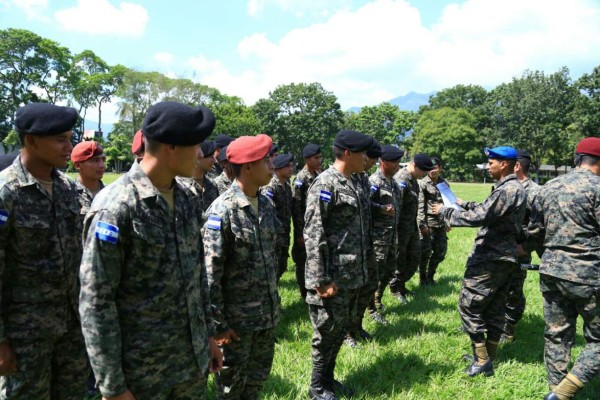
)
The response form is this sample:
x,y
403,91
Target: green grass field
x,y
419,355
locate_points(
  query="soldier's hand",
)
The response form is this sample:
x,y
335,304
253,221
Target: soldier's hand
x,y
8,361
388,209
521,250
425,231
127,395
435,208
225,338
216,356
327,290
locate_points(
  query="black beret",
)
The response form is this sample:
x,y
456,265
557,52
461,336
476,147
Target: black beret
x,y
179,124
375,150
310,150
44,119
391,153
523,154
353,141
208,148
223,140
274,149
6,160
222,154
282,160
423,162
436,161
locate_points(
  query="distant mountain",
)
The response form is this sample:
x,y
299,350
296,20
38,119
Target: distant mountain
x,y
409,102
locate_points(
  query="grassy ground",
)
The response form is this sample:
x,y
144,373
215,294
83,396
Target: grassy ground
x,y
419,355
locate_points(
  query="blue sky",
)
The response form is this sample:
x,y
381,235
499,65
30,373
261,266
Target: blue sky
x,y
365,52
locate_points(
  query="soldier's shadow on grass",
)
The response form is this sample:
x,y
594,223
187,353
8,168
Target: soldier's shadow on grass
x,y
529,346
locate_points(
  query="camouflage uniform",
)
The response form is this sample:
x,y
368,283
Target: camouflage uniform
x,y
215,171
222,182
385,230
281,195
492,260
144,297
570,272
336,245
409,244
434,246
40,252
81,189
240,259
302,182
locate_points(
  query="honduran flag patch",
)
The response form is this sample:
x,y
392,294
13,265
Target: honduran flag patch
x,y
325,196
3,217
107,232
213,222
269,193
298,182
374,188
402,185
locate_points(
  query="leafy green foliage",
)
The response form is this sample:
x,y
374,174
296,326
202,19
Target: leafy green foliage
x,y
385,122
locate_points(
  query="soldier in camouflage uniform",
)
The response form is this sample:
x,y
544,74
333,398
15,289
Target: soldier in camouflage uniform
x,y
409,245
207,187
385,211
223,181
336,267
280,192
221,141
313,159
42,352
434,238
493,259
144,302
239,242
570,271
90,161
515,302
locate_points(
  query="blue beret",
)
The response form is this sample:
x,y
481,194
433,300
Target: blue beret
x,y
44,119
391,153
223,140
375,150
310,150
178,124
501,152
353,141
423,162
223,154
282,160
208,148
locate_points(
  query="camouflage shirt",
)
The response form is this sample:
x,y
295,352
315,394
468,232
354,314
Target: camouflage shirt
x,y
302,182
532,189
40,251
409,195
499,218
215,171
281,195
222,182
144,296
361,181
241,262
428,196
571,214
336,243
384,191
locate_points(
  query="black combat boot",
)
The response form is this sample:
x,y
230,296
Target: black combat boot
x,y
320,387
482,363
551,396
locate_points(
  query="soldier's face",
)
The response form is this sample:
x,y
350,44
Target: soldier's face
x,y
261,171
53,150
370,163
356,161
435,172
494,168
92,169
285,172
390,167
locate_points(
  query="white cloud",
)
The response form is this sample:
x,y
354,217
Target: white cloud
x,y
299,8
383,50
101,17
33,9
164,58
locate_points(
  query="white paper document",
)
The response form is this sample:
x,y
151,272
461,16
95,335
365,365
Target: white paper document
x,y
448,196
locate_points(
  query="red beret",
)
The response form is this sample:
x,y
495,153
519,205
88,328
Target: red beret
x,y
85,150
138,142
247,149
590,146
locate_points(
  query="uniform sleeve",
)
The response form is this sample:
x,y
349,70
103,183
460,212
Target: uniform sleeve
x,y
99,275
478,215
536,230
422,207
317,207
206,306
298,207
5,223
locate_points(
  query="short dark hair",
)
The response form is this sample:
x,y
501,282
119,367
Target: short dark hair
x,y
236,169
338,152
585,159
525,164
150,145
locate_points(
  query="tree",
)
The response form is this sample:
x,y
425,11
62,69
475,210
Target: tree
x,y
234,117
587,107
118,150
385,122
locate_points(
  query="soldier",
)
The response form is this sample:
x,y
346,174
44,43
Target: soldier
x,y
434,238
493,259
409,245
239,242
336,266
515,303
89,159
312,163
223,181
385,209
137,146
144,302
280,192
207,187
42,352
221,142
570,271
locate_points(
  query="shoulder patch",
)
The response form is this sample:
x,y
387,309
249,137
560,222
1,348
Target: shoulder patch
x,y
374,188
213,222
298,182
3,217
402,185
269,193
325,196
107,232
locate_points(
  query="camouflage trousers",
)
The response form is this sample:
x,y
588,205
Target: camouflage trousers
x,y
482,299
386,259
330,318
282,260
409,255
364,295
193,389
48,368
515,298
433,252
564,301
299,258
246,365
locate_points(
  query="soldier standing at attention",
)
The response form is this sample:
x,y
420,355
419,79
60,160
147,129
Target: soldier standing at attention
x,y
89,159
312,163
434,240
223,181
493,259
385,209
570,271
239,243
221,142
280,192
336,267
42,352
208,189
144,302
409,244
